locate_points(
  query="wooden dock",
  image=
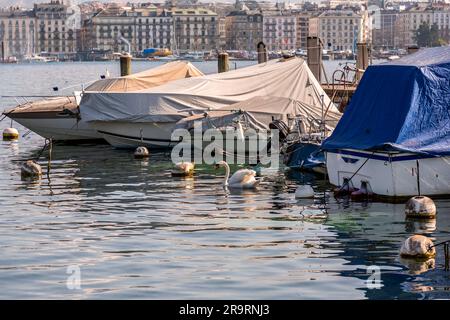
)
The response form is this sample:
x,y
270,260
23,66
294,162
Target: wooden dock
x,y
340,94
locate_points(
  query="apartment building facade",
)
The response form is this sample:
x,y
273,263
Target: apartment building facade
x,y
339,30
244,30
409,21
195,29
279,30
116,28
48,27
17,32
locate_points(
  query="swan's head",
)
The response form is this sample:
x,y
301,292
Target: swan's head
x,y
220,164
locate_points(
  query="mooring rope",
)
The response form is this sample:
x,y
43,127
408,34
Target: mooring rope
x,y
354,174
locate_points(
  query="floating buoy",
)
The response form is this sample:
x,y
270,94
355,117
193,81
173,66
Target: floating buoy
x,y
420,207
417,267
31,170
363,193
418,247
141,152
183,169
10,134
304,191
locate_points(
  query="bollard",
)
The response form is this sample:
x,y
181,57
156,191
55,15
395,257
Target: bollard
x,y
222,62
125,64
314,51
362,59
262,52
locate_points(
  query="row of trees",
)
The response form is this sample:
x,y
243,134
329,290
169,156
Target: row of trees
x,y
429,36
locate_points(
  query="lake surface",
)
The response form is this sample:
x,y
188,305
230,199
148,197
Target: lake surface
x,y
134,231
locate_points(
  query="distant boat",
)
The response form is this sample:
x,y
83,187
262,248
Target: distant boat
x,y
167,58
194,56
35,58
394,137
394,57
11,59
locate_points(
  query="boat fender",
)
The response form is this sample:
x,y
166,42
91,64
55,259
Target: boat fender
x,y
418,247
141,153
346,189
420,207
304,191
10,134
31,170
363,193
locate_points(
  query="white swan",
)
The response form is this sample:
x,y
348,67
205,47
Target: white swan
x,y
242,179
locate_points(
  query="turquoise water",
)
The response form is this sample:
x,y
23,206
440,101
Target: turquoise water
x,y
134,231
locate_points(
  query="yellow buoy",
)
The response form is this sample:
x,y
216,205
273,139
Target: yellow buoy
x,y
418,247
10,134
141,153
420,207
31,170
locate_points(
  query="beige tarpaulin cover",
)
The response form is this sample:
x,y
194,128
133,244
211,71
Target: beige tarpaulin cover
x,y
48,105
289,78
147,79
258,112
143,80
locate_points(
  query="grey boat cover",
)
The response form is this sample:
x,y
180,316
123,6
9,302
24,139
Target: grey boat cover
x,y
284,78
258,112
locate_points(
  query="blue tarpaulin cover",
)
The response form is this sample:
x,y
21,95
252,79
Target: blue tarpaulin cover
x,y
402,105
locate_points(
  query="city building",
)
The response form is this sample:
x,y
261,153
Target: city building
x,y
384,31
56,24
410,19
17,32
340,30
244,29
195,29
279,30
49,28
302,30
132,28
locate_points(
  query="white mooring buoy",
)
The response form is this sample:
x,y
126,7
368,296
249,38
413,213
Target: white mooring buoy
x,y
304,191
418,247
420,207
31,170
10,134
141,153
183,169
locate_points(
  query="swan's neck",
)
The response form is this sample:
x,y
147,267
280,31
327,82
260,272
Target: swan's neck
x,y
227,174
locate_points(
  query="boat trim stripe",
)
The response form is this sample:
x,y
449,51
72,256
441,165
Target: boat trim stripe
x,y
133,138
390,157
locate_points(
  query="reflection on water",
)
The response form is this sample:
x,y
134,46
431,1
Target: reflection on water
x,y
137,232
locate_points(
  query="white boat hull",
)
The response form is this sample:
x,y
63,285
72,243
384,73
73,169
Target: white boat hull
x,y
60,128
126,135
390,174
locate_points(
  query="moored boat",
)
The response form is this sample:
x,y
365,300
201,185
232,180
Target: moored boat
x,y
394,137
59,118
163,106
